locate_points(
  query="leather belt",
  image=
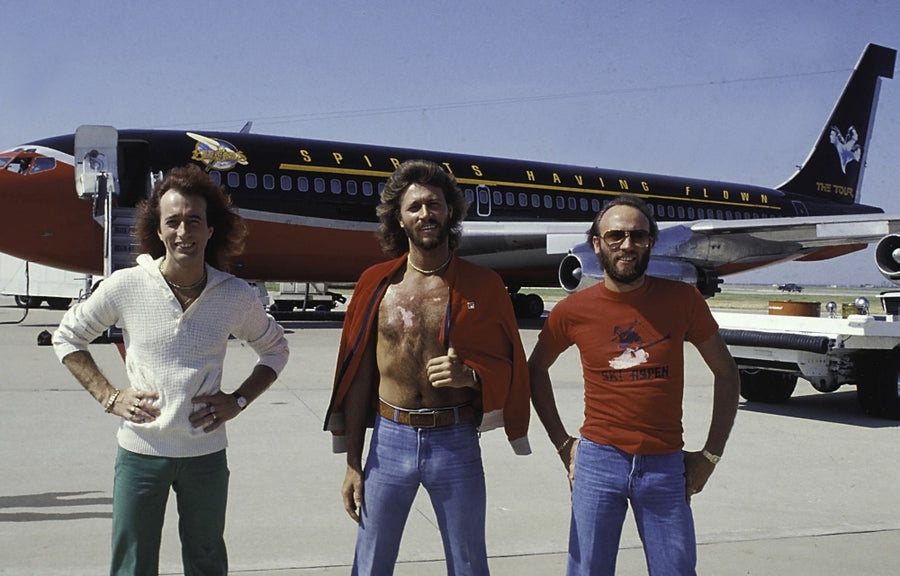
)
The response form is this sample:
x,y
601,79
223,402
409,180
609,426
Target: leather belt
x,y
427,418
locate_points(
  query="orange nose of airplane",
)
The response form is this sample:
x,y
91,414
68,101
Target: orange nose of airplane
x,y
42,218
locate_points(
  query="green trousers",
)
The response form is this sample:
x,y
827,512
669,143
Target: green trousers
x,y
140,492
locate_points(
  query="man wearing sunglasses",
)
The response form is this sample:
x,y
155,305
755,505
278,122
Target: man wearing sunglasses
x,y
630,330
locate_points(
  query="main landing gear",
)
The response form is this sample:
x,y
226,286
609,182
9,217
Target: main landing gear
x,y
527,305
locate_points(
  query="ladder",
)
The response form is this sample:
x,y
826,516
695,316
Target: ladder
x,y
119,244
97,179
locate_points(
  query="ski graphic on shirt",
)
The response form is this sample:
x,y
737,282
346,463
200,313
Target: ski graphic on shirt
x,y
634,351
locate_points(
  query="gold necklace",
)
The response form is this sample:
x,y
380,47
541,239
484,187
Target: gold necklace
x,y
429,272
179,286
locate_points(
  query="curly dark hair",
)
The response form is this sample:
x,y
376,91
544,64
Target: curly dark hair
x,y
392,237
229,230
625,200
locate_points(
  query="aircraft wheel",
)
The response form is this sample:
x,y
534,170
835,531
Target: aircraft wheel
x,y
878,385
59,303
527,305
767,386
28,301
533,306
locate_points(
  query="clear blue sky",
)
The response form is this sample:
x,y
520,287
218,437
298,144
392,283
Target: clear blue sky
x,y
730,91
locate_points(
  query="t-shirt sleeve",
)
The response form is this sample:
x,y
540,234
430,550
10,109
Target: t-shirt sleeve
x,y
701,323
554,335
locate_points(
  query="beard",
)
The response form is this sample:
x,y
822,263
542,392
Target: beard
x,y
428,243
629,275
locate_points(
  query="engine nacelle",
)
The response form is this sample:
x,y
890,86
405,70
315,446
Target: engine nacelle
x,y
581,269
887,257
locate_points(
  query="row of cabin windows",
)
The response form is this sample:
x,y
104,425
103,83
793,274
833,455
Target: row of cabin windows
x,y
689,213
533,200
572,204
498,198
286,184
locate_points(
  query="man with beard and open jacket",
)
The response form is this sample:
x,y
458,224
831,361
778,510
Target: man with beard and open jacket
x,y
430,355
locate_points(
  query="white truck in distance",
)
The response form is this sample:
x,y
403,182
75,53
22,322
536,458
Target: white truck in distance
x,y
33,284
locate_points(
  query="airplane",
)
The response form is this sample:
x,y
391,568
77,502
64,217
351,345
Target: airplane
x,y
310,204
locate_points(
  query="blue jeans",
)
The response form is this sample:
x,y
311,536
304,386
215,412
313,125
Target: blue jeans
x,y
606,479
447,462
140,492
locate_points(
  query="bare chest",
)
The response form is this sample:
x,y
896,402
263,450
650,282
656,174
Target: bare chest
x,y
410,319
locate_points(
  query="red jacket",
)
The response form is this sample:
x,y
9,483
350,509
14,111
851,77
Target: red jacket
x,y
480,322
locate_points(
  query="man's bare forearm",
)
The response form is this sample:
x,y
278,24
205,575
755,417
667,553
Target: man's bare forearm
x,y
81,364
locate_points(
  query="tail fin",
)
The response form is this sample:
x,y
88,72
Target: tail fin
x,y
834,168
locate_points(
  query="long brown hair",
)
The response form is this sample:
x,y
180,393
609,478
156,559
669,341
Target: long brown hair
x,y
229,230
392,237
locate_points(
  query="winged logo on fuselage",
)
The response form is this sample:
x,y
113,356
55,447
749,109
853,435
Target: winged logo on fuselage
x,y
216,154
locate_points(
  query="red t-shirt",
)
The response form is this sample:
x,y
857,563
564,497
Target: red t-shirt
x,y
632,356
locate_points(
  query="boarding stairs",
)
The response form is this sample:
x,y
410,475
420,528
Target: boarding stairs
x,y
120,246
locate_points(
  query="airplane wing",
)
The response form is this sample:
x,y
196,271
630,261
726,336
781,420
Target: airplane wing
x,y
701,251
724,245
806,231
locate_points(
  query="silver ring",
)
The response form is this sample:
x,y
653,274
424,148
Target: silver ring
x,y
212,408
132,410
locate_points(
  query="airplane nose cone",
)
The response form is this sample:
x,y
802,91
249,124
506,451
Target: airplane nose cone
x,y
44,221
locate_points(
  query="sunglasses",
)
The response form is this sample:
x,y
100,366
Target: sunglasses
x,y
615,238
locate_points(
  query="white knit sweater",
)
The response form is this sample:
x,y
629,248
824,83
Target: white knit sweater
x,y
178,354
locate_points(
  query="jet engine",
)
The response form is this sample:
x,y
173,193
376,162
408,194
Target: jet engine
x,y
887,257
581,269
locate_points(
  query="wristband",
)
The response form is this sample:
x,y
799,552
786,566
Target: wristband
x,y
711,457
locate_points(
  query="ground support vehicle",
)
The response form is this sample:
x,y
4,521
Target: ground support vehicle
x,y
33,284
861,349
304,296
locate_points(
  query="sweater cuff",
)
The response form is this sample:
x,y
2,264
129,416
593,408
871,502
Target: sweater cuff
x,y
521,446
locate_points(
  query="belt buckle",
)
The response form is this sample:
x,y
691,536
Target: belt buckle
x,y
424,423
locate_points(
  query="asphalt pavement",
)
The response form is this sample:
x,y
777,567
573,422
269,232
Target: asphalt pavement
x,y
808,487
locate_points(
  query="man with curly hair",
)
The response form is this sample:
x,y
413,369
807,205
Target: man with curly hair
x,y
430,355
177,308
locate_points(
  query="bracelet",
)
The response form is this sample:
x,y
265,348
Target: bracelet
x,y
564,444
112,400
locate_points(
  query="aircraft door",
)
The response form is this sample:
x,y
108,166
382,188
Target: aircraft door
x,y
135,179
96,161
482,200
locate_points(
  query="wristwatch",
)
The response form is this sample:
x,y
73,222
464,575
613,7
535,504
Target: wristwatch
x,y
711,457
241,401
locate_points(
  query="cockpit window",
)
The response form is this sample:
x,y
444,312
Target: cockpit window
x,y
18,165
27,164
42,165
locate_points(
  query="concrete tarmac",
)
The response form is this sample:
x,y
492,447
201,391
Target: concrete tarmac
x,y
808,487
